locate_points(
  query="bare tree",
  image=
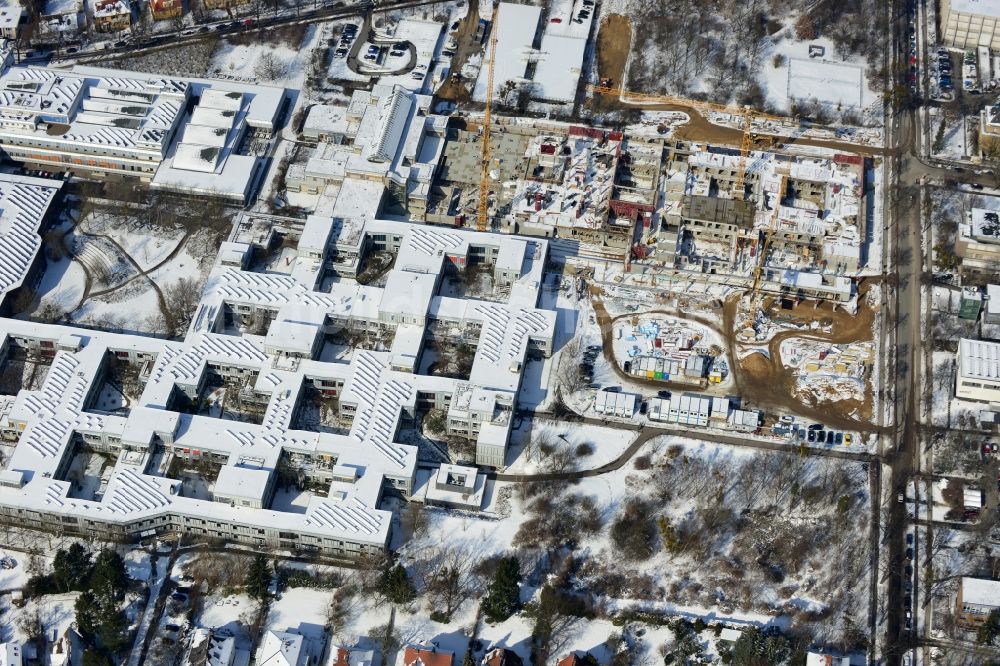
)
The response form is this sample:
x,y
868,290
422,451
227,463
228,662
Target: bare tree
x,y
270,67
450,580
29,623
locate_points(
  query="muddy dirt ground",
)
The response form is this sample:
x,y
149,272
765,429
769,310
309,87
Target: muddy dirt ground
x,y
613,41
763,381
766,382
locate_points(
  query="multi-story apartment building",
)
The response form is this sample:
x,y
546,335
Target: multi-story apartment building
x,y
978,372
977,598
978,243
25,213
377,392
970,23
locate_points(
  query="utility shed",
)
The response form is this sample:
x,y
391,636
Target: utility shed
x,y
970,304
973,497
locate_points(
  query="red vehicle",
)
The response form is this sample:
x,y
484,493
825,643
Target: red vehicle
x,y
556,20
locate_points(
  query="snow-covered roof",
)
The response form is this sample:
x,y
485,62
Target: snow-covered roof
x,y
24,201
613,401
293,336
993,299
326,118
558,70
280,648
102,8
826,659
981,7
10,13
58,7
516,25
981,592
984,225
978,359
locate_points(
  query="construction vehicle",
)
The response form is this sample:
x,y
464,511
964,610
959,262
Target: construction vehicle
x,y
483,214
747,117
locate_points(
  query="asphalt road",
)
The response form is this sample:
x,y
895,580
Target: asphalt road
x,y
649,431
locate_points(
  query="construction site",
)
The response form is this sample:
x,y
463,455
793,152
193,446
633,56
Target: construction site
x,y
552,180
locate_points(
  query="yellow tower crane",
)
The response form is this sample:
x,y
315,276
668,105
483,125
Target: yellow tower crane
x,y
483,214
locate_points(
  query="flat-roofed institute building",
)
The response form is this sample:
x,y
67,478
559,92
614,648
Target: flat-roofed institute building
x,y
183,135
977,598
971,23
978,375
274,367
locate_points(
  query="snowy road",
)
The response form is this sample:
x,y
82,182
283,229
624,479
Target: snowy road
x,y
149,614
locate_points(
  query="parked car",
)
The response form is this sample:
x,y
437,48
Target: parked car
x,y
909,538
839,439
663,394
816,426
642,407
812,436
848,439
612,389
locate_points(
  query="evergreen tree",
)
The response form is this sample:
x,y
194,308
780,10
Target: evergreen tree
x,y
258,578
754,647
108,579
990,629
396,586
94,657
101,622
503,597
86,615
71,568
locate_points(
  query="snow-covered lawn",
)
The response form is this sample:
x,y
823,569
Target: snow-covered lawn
x,y
281,64
303,611
539,443
62,285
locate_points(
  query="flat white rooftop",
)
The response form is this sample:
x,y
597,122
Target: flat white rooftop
x,y
517,25
982,7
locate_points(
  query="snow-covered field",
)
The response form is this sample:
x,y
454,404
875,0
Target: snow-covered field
x,y
539,444
833,83
248,61
701,558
